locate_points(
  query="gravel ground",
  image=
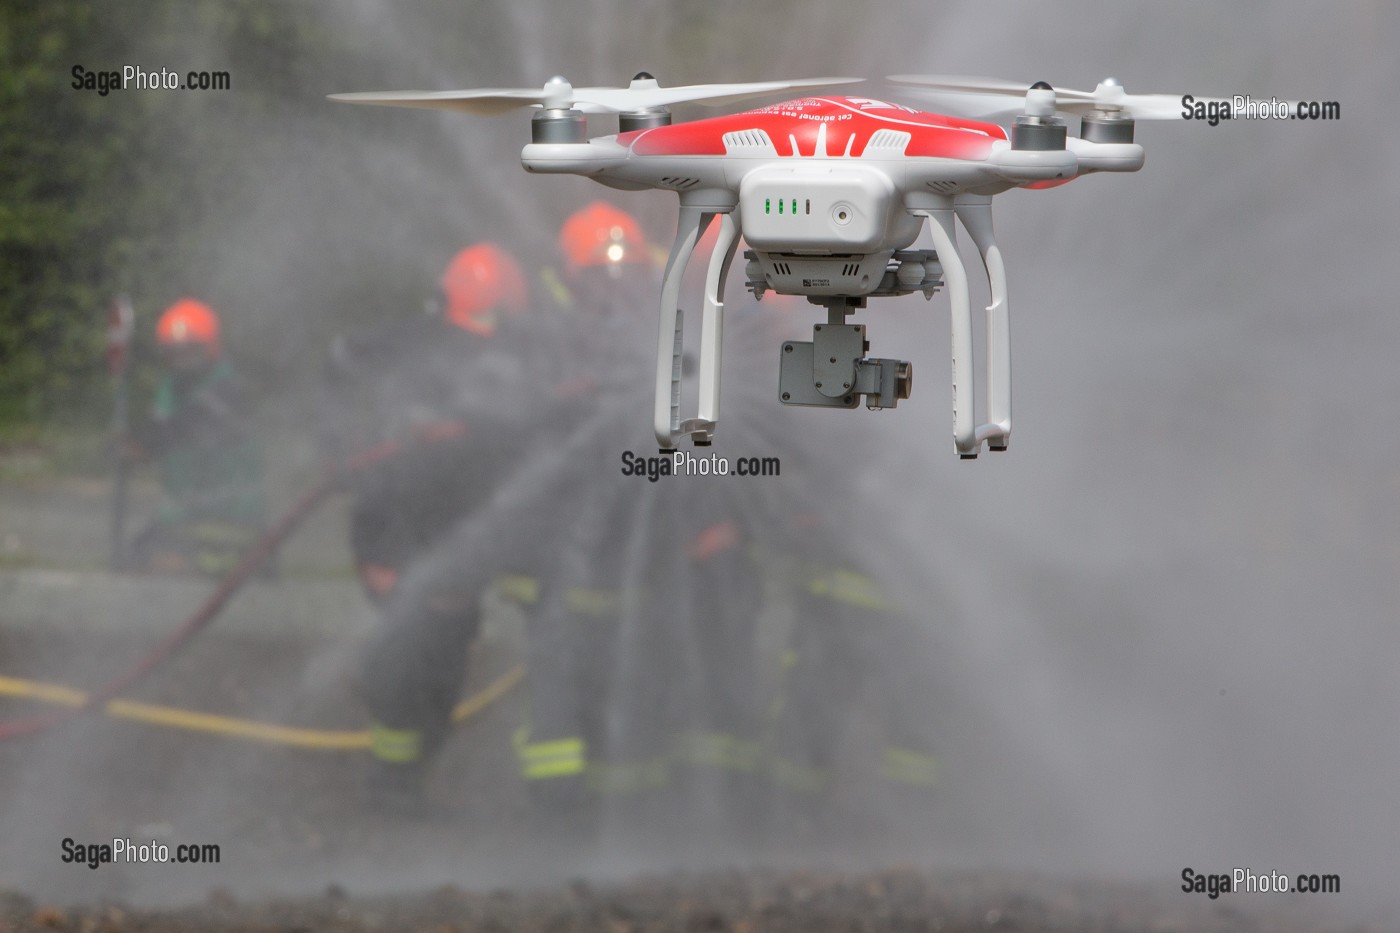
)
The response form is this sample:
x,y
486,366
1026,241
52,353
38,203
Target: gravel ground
x,y
749,902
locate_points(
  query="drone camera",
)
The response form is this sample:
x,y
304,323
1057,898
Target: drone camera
x,y
831,371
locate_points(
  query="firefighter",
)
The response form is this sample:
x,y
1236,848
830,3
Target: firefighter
x,y
642,695
451,407
589,641
410,383
203,439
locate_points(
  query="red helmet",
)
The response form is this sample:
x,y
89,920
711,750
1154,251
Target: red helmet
x,y
480,281
189,322
601,235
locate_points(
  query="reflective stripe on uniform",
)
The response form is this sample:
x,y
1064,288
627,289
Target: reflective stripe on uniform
x,y
847,586
397,746
518,588
628,777
556,288
592,602
718,750
555,758
905,766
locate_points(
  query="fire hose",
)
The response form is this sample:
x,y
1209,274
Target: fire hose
x,y
253,559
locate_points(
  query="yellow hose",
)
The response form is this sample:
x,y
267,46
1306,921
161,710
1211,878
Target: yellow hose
x,y
174,718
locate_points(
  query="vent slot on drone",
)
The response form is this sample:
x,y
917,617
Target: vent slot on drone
x,y
749,142
888,142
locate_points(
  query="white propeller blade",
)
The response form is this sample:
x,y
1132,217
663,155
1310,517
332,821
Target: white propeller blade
x,y
643,93
484,101
1108,96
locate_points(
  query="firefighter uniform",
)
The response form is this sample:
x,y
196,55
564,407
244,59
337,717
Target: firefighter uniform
x,y
591,728
437,391
202,437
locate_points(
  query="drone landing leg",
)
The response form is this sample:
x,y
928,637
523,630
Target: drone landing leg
x,y
941,226
975,212
712,327
666,413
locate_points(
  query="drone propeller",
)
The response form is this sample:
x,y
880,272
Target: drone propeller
x,y
558,94
993,97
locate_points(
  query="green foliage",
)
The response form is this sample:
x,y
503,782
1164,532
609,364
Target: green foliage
x,y
125,192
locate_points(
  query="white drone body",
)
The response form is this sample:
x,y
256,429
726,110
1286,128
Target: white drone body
x,y
830,194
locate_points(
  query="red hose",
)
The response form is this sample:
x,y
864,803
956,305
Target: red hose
x,y
232,582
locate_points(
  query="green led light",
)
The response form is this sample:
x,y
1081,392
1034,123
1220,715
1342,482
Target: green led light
x,y
780,205
767,205
794,207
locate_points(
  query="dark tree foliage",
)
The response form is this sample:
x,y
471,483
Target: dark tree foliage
x,y
134,192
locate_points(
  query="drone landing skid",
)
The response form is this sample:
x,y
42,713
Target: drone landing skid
x,y
669,427
975,212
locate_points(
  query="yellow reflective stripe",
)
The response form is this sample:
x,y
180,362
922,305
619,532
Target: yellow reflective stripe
x,y
557,758
592,602
796,776
718,750
628,776
398,746
909,767
552,749
551,769
847,586
556,288
519,588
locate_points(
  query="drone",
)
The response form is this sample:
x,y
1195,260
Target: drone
x,y
830,193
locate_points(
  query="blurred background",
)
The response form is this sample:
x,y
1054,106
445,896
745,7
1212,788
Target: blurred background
x,y
1161,628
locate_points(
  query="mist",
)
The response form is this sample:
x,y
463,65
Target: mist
x,y
1163,622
